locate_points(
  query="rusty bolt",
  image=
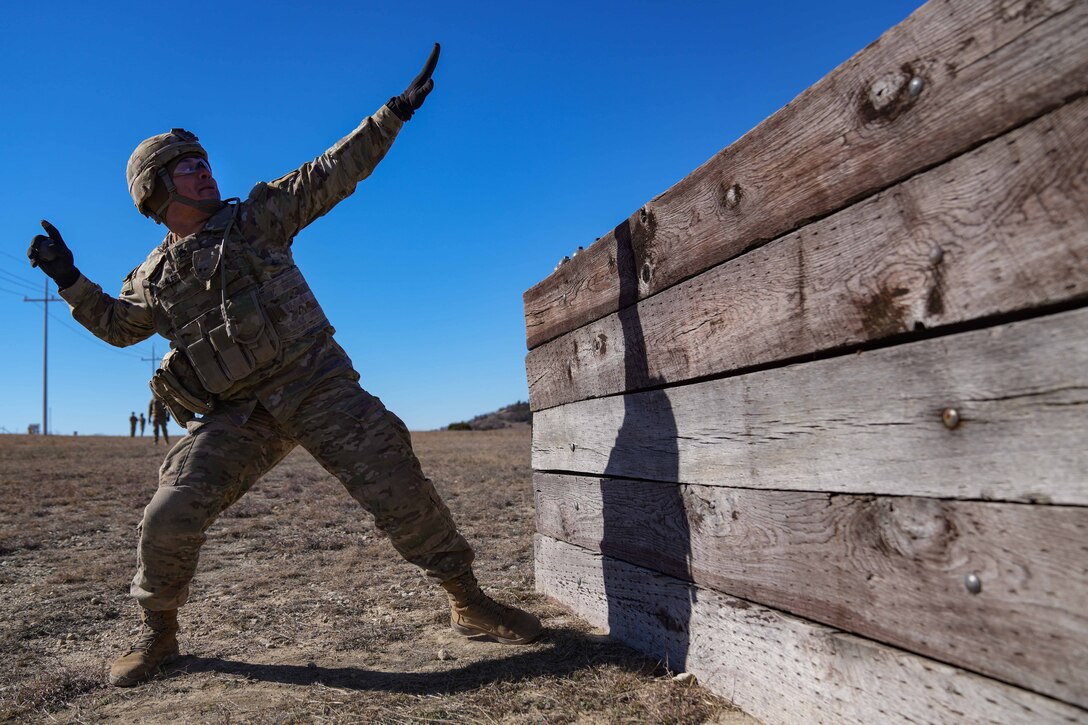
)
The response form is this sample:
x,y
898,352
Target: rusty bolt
x,y
951,418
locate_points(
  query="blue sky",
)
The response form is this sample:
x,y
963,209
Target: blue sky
x,y
550,123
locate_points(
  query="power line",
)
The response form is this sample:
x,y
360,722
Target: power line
x,y
20,264
87,336
14,278
18,294
24,260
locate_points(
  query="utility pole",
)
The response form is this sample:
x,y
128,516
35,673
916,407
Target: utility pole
x,y
45,354
153,360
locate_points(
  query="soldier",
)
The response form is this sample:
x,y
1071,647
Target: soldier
x,y
132,420
143,423
156,411
254,370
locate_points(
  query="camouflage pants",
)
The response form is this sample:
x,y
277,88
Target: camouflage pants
x,y
348,431
160,425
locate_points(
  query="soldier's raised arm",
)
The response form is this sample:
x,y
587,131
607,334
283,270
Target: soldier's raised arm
x,y
296,199
119,322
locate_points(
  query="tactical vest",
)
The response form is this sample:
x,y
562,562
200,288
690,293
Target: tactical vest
x,y
225,311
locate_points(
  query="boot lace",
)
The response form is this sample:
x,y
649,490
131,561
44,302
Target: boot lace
x,y
145,642
487,605
151,630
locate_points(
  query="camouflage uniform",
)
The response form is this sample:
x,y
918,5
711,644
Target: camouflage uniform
x,y
156,411
306,394
132,420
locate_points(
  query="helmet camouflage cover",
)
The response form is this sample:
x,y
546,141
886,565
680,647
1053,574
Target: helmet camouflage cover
x,y
150,162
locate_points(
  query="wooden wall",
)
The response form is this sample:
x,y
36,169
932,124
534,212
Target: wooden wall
x,y
813,423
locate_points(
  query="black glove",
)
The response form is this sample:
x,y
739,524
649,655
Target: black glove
x,y
53,256
409,102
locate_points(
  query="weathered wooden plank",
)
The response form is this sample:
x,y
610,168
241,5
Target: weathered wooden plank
x,y
774,666
891,568
869,423
1000,229
985,68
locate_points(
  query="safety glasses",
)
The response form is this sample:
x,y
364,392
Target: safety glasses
x,y
191,165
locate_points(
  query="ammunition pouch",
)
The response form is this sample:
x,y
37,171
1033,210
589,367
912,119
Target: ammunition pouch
x,y
229,331
177,385
225,351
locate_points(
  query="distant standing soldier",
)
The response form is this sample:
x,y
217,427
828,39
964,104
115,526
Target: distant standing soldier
x,y
156,411
132,421
254,371
143,423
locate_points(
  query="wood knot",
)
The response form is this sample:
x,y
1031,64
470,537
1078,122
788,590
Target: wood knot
x,y
600,344
647,273
891,95
923,529
732,196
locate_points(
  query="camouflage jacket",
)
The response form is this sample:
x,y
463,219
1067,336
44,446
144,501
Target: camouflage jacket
x,y
156,411
262,228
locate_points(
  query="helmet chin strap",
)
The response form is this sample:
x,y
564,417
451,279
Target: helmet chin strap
x,y
209,206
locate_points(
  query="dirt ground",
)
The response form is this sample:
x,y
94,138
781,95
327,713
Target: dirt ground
x,y
300,610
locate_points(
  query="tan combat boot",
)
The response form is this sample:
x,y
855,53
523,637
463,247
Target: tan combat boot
x,y
156,646
473,612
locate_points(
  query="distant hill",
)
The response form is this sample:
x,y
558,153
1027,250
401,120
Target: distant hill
x,y
512,416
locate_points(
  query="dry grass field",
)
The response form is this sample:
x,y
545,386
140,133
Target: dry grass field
x,y
300,611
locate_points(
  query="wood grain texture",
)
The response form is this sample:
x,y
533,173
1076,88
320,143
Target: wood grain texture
x,y
869,423
1000,229
774,666
889,568
986,68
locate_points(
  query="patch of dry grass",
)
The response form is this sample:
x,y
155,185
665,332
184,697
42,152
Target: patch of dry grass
x,y
301,611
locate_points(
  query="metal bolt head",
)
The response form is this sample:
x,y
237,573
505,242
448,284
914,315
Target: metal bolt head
x,y
916,85
936,254
951,418
973,583
573,446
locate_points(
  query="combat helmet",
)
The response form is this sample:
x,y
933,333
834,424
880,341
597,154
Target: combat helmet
x,y
149,173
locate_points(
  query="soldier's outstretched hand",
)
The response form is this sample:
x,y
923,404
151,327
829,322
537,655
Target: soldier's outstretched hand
x,y
53,256
409,102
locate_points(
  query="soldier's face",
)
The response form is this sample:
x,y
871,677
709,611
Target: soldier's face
x,y
193,179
